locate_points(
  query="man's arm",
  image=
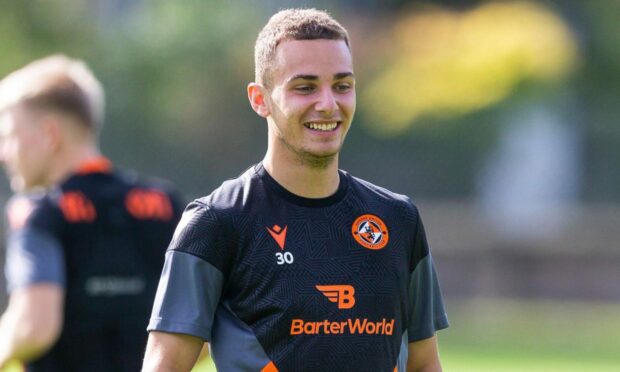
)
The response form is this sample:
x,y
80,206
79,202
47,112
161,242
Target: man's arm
x,y
31,323
424,356
171,352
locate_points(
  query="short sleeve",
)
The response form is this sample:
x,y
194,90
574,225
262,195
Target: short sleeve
x,y
191,283
32,257
426,309
187,296
34,253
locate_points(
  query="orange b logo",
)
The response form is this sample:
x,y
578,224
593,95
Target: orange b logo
x,y
343,295
370,231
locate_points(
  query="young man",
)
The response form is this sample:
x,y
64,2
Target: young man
x,y
86,242
297,265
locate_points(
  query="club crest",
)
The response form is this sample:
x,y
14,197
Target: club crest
x,y
370,232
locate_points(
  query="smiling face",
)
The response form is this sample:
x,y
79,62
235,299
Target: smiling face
x,y
310,102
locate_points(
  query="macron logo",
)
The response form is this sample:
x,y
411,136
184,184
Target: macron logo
x,y
343,295
278,234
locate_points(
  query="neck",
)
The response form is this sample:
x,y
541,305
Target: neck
x,y
69,161
301,178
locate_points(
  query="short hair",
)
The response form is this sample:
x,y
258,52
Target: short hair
x,y
56,83
293,24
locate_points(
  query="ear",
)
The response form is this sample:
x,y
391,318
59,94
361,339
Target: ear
x,y
52,131
256,95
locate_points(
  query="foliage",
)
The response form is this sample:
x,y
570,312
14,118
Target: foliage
x,y
433,83
446,63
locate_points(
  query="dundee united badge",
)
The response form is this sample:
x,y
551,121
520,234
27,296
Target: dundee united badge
x,y
370,231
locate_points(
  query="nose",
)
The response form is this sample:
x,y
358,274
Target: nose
x,y
326,103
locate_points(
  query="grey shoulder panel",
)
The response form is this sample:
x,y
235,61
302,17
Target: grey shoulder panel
x,y
426,309
187,296
33,256
235,347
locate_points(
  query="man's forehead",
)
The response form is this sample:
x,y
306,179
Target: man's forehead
x,y
291,49
321,57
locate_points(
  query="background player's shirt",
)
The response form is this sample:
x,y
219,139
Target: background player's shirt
x,y
277,282
101,235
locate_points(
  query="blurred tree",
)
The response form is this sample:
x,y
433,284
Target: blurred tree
x,y
445,64
599,89
187,64
434,84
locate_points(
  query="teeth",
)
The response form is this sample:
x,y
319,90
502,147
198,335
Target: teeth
x,y
322,126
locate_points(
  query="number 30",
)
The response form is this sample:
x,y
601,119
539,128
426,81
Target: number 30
x,y
282,258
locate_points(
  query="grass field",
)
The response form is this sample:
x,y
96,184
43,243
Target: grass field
x,y
509,335
534,336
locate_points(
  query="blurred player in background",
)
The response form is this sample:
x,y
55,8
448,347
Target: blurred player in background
x,y
297,265
86,241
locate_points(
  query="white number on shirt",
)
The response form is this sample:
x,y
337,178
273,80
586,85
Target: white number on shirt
x,y
284,258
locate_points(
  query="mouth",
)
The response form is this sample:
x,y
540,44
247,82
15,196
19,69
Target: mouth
x,y
322,127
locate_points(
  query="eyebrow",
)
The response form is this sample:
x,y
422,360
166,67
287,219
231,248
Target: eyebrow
x,y
338,76
342,75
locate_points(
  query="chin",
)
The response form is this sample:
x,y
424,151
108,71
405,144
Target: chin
x,y
319,160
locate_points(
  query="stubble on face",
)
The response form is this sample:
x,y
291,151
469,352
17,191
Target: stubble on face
x,y
307,158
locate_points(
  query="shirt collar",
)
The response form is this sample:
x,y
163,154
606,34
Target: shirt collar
x,y
97,165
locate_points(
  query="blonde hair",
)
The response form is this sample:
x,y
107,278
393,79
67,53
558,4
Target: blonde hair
x,y
56,83
293,24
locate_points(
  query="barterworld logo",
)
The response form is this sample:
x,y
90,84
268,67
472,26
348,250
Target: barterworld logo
x,y
342,294
348,326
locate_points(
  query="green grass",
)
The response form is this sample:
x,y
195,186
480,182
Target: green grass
x,y
205,366
463,359
510,335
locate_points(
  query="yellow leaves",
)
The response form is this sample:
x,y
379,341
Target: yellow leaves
x,y
447,63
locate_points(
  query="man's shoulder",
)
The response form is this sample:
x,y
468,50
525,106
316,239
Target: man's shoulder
x,y
233,193
134,178
208,217
371,190
123,178
119,184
